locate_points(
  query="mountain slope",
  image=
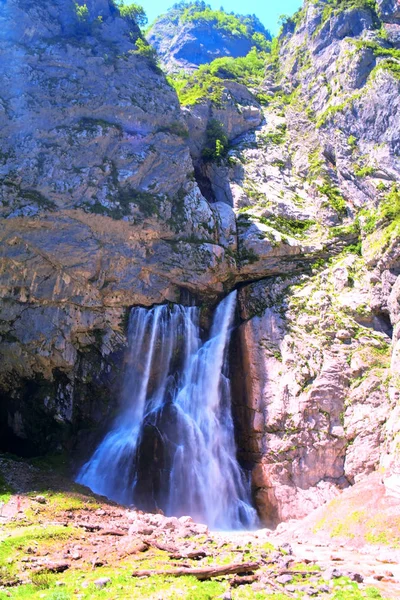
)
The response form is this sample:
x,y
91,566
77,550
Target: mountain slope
x,y
191,34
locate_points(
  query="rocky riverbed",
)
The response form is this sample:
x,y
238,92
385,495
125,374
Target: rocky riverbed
x,y
59,541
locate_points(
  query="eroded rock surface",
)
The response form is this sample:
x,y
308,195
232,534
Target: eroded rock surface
x,y
107,202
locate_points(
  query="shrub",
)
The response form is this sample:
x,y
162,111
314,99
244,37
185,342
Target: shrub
x,y
145,50
208,80
133,13
217,141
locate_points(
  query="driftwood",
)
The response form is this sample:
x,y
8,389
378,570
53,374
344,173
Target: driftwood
x,y
160,546
243,580
116,532
203,572
175,553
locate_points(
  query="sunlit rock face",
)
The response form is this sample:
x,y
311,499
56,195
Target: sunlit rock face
x,y
99,210
187,44
106,203
320,398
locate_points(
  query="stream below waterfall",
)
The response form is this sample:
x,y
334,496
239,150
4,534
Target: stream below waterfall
x,y
172,446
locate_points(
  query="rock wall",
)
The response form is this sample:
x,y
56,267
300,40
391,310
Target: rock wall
x,y
320,349
106,202
99,210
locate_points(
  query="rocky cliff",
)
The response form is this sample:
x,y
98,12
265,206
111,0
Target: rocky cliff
x,y
98,204
191,34
285,185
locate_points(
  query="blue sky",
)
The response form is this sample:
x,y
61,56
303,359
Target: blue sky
x,y
268,11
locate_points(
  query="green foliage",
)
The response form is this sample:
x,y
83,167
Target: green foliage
x,y
82,12
352,141
390,207
85,26
377,49
248,26
260,41
133,13
331,111
364,171
391,56
316,164
388,211
335,198
336,6
217,141
145,50
5,490
292,227
276,137
208,80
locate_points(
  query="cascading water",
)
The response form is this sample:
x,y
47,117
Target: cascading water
x,y
172,446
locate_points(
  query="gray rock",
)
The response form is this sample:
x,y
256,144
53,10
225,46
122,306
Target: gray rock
x,y
284,579
102,582
331,573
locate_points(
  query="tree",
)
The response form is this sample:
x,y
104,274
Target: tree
x,y
132,12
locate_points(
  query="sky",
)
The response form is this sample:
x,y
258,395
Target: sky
x,y
268,11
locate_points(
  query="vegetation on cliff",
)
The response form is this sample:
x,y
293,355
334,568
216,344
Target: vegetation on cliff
x,y
208,81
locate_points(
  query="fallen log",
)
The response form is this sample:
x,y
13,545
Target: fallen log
x,y
243,580
116,532
203,572
160,546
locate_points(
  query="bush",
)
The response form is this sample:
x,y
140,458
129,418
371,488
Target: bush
x,y
207,81
217,141
145,50
133,13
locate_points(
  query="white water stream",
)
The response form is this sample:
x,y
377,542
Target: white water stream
x,y
180,387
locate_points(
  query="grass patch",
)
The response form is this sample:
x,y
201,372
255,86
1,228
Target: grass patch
x,y
5,490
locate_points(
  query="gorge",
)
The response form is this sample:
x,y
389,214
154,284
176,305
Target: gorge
x,y
140,197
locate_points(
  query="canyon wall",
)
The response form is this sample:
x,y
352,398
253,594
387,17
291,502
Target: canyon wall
x,y
107,202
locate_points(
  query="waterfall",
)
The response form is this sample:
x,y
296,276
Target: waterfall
x,y
172,445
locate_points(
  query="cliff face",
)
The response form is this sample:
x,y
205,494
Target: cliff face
x,y
190,35
320,351
108,200
99,207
